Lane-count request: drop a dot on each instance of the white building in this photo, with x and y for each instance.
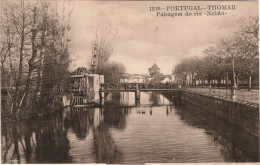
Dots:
(166, 79)
(133, 79)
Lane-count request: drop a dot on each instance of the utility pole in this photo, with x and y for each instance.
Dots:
(234, 86)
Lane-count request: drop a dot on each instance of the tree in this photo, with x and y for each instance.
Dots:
(188, 70)
(35, 32)
(17, 16)
(55, 67)
(236, 55)
(113, 72)
(214, 57)
(181, 72)
(249, 42)
(103, 44)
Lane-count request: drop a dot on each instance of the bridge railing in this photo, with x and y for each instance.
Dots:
(141, 86)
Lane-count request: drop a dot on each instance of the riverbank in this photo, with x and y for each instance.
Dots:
(40, 110)
(241, 113)
(15, 119)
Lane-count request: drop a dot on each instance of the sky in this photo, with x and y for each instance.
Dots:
(144, 39)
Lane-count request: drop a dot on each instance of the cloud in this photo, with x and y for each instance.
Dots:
(145, 39)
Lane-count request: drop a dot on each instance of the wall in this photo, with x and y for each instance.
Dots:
(242, 114)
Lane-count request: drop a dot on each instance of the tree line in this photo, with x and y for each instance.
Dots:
(238, 53)
(34, 49)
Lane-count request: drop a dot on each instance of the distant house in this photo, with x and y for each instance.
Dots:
(148, 79)
(166, 79)
(142, 78)
(133, 78)
(138, 79)
(124, 78)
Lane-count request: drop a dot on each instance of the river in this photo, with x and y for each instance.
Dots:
(125, 131)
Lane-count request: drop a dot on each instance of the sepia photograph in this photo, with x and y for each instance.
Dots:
(129, 82)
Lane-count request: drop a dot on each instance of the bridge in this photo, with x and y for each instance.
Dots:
(136, 91)
(80, 101)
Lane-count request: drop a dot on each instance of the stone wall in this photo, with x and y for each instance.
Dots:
(243, 114)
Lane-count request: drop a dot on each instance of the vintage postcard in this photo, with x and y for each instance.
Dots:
(129, 82)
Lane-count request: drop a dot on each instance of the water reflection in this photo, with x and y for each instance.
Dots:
(236, 144)
(154, 99)
(106, 148)
(78, 121)
(36, 141)
(159, 132)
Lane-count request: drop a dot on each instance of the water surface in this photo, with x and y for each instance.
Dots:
(127, 131)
